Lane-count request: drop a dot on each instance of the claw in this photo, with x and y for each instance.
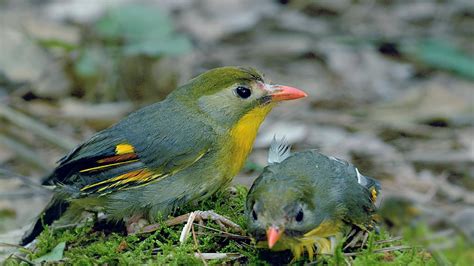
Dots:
(199, 216)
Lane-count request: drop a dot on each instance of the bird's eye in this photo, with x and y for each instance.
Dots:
(299, 216)
(243, 92)
(254, 215)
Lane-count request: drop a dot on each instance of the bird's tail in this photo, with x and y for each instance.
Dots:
(279, 150)
(371, 184)
(374, 188)
(53, 211)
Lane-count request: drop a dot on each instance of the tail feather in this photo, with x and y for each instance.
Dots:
(371, 184)
(53, 211)
(279, 150)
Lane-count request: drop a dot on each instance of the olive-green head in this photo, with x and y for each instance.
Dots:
(281, 202)
(226, 94)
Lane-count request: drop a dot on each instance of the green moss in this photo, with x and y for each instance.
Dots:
(87, 245)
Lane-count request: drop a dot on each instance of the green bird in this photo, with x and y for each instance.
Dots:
(308, 201)
(163, 156)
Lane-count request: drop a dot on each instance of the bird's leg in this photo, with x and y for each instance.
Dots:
(189, 219)
(357, 236)
(199, 216)
(135, 224)
(222, 221)
(201, 224)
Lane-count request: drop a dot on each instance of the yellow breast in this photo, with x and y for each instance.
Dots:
(242, 136)
(321, 240)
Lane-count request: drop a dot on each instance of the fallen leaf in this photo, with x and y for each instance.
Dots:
(54, 255)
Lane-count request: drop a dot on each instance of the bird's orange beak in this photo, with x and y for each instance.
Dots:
(284, 93)
(273, 235)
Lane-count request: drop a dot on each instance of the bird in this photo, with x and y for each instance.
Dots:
(166, 155)
(307, 202)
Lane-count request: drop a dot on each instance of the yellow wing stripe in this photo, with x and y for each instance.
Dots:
(373, 194)
(106, 166)
(139, 176)
(124, 148)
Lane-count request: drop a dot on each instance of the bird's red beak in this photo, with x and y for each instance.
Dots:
(273, 235)
(284, 93)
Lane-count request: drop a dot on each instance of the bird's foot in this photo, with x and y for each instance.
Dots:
(200, 216)
(189, 219)
(135, 224)
(357, 238)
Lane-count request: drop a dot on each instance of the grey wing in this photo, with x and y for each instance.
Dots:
(135, 152)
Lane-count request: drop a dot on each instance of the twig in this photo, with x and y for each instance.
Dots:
(207, 215)
(29, 262)
(387, 249)
(364, 240)
(393, 239)
(224, 234)
(394, 248)
(211, 215)
(3, 244)
(65, 226)
(353, 242)
(219, 256)
(196, 244)
(34, 126)
(173, 221)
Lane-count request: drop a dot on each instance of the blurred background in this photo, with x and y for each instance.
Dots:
(390, 84)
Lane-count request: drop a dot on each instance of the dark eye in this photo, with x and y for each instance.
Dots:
(254, 215)
(243, 92)
(299, 216)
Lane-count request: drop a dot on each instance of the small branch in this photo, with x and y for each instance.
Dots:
(29, 262)
(225, 234)
(219, 256)
(196, 245)
(200, 215)
(3, 244)
(173, 221)
(393, 239)
(65, 226)
(382, 250)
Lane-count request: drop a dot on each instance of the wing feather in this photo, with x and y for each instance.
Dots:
(129, 154)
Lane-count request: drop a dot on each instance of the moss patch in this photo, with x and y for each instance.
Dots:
(86, 245)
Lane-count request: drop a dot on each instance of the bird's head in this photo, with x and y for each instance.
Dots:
(281, 203)
(227, 94)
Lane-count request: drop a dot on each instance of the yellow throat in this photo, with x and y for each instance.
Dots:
(242, 136)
